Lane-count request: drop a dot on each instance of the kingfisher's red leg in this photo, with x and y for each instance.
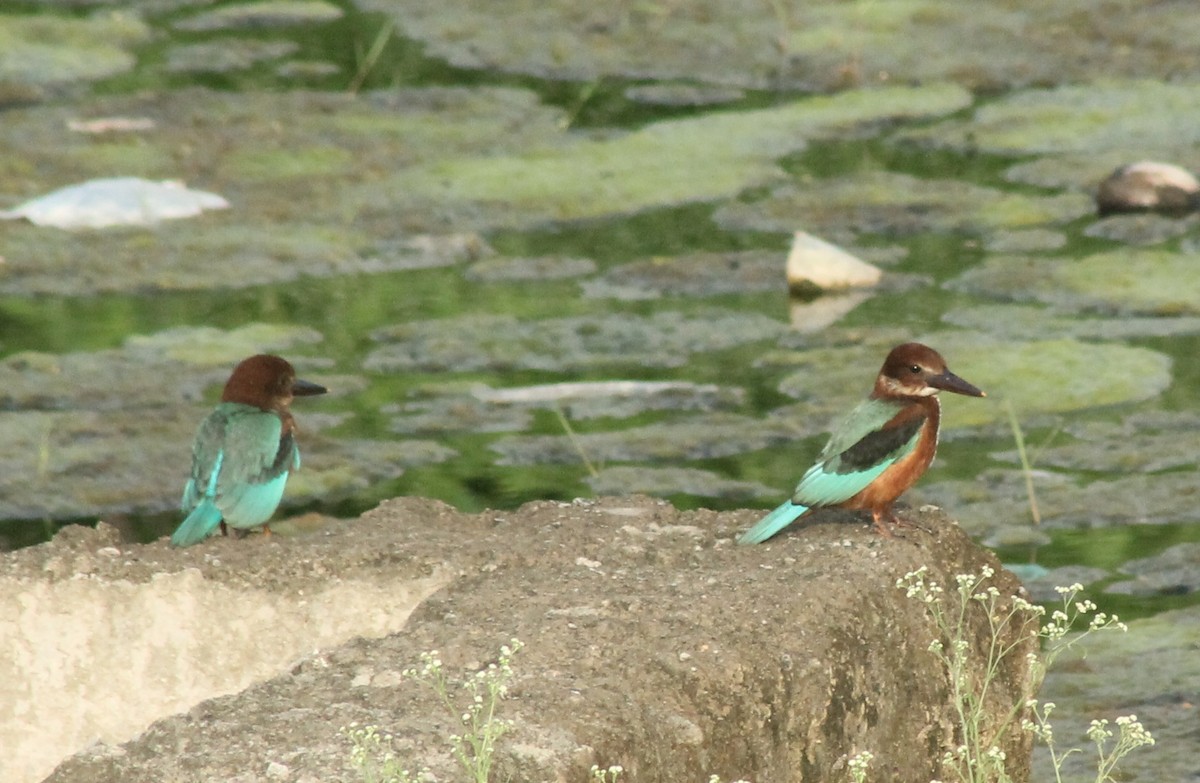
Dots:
(881, 527)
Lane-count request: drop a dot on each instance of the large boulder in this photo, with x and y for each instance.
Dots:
(651, 641)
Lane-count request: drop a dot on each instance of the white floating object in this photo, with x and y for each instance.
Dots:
(120, 201)
(815, 264)
(111, 125)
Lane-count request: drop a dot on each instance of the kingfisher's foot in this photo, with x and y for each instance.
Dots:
(882, 527)
(267, 531)
(896, 521)
(886, 520)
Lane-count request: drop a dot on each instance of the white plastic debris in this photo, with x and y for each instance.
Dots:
(814, 263)
(119, 201)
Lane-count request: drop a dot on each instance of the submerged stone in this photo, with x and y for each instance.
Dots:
(476, 342)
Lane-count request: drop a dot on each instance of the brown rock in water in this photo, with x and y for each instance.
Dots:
(1148, 186)
(651, 641)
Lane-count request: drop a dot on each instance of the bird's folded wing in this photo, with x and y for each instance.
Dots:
(874, 436)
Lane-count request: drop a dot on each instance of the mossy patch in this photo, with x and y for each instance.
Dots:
(476, 342)
(670, 162)
(263, 13)
(894, 203)
(821, 45)
(1142, 117)
(1128, 282)
(47, 49)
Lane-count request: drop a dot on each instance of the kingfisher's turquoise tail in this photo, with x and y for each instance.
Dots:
(198, 526)
(772, 523)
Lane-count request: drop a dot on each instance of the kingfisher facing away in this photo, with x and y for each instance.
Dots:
(880, 449)
(243, 451)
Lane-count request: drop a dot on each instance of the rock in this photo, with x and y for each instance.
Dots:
(645, 631)
(1148, 186)
(814, 264)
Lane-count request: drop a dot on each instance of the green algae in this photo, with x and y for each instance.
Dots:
(225, 55)
(256, 164)
(667, 163)
(821, 45)
(209, 346)
(1029, 322)
(1142, 118)
(46, 50)
(693, 274)
(895, 203)
(1127, 282)
(475, 342)
(262, 13)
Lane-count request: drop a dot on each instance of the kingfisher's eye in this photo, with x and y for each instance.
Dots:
(915, 369)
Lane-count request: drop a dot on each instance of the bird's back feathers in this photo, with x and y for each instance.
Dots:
(240, 463)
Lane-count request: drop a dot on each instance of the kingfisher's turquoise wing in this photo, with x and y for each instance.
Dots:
(240, 465)
(254, 469)
(862, 447)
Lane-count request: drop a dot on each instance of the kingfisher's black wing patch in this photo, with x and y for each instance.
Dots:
(877, 446)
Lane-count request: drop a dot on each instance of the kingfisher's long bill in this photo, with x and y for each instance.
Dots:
(244, 451)
(880, 448)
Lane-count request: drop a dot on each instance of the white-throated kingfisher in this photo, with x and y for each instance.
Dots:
(244, 451)
(880, 449)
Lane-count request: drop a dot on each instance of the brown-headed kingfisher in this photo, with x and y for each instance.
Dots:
(880, 449)
(244, 451)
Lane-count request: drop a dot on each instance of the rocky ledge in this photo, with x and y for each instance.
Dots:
(650, 641)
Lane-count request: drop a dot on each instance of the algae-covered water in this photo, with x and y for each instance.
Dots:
(447, 221)
(536, 250)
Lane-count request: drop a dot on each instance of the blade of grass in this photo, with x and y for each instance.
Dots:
(566, 425)
(368, 61)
